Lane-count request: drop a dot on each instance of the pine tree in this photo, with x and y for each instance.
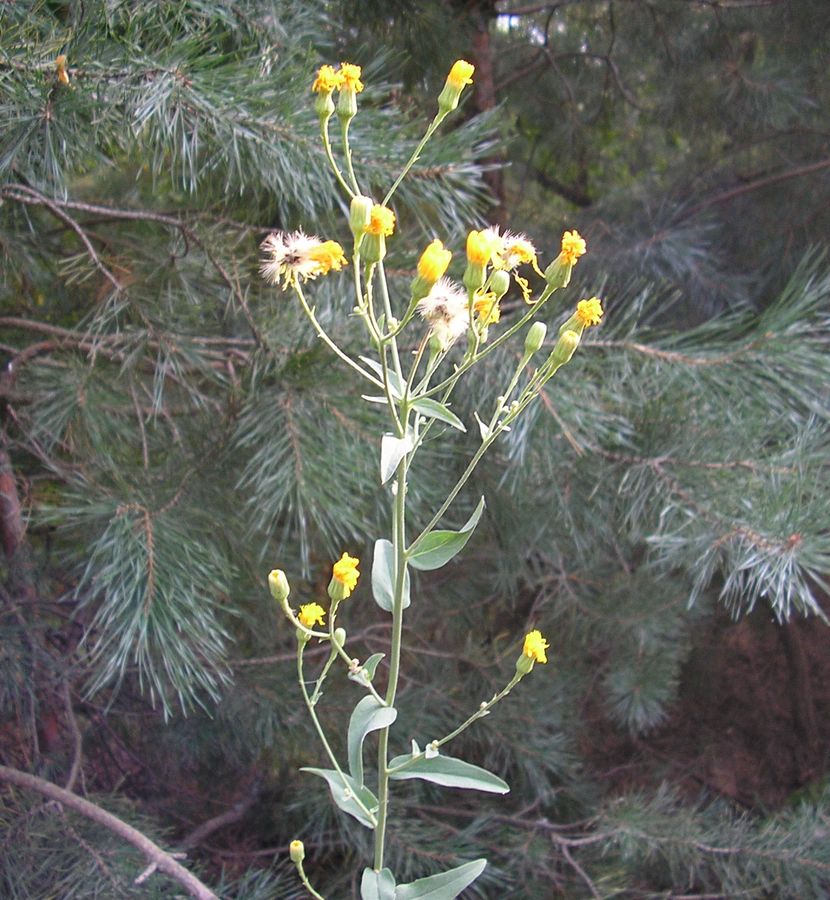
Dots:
(172, 429)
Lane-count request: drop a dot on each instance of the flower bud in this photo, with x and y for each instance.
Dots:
(296, 851)
(461, 74)
(278, 584)
(60, 69)
(565, 348)
(499, 283)
(535, 337)
(373, 247)
(360, 214)
(524, 664)
(339, 636)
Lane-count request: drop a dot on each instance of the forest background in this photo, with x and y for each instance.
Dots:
(171, 430)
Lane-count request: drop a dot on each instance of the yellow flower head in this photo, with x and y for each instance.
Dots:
(481, 246)
(327, 80)
(433, 262)
(461, 73)
(350, 78)
(329, 255)
(296, 257)
(60, 68)
(573, 246)
(381, 221)
(589, 312)
(535, 646)
(311, 614)
(345, 572)
(486, 307)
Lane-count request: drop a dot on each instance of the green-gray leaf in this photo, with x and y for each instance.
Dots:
(371, 664)
(444, 885)
(377, 885)
(432, 409)
(383, 576)
(392, 451)
(369, 715)
(437, 548)
(395, 385)
(346, 801)
(449, 772)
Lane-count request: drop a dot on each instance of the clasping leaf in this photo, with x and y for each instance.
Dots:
(435, 549)
(449, 772)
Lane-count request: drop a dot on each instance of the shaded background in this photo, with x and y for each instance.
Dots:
(171, 431)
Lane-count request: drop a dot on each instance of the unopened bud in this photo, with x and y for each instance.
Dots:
(339, 636)
(360, 214)
(535, 337)
(278, 584)
(558, 273)
(499, 283)
(296, 851)
(565, 348)
(524, 664)
(373, 248)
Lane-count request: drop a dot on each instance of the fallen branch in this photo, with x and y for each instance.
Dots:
(163, 861)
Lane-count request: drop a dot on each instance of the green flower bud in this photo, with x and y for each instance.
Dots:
(346, 105)
(524, 664)
(360, 214)
(296, 851)
(474, 276)
(339, 636)
(278, 584)
(565, 348)
(373, 248)
(499, 283)
(535, 337)
(558, 273)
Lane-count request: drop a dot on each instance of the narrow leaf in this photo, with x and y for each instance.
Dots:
(344, 795)
(437, 548)
(369, 715)
(377, 885)
(383, 576)
(432, 409)
(392, 451)
(444, 885)
(449, 772)
(395, 385)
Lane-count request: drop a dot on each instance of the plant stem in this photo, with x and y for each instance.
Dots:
(307, 883)
(414, 158)
(399, 545)
(324, 133)
(321, 333)
(347, 152)
(321, 734)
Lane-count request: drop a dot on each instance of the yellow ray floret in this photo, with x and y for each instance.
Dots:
(461, 73)
(535, 646)
(327, 80)
(434, 261)
(573, 246)
(311, 614)
(350, 75)
(329, 255)
(381, 221)
(481, 246)
(589, 312)
(487, 308)
(345, 572)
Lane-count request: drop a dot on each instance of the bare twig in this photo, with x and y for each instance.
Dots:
(151, 850)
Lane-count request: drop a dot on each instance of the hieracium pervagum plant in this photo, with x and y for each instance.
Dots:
(452, 328)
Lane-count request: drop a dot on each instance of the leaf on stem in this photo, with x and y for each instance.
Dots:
(449, 772)
(437, 548)
(344, 795)
(396, 388)
(377, 885)
(432, 409)
(444, 885)
(392, 451)
(383, 577)
(369, 715)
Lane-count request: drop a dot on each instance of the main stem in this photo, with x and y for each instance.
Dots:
(399, 545)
